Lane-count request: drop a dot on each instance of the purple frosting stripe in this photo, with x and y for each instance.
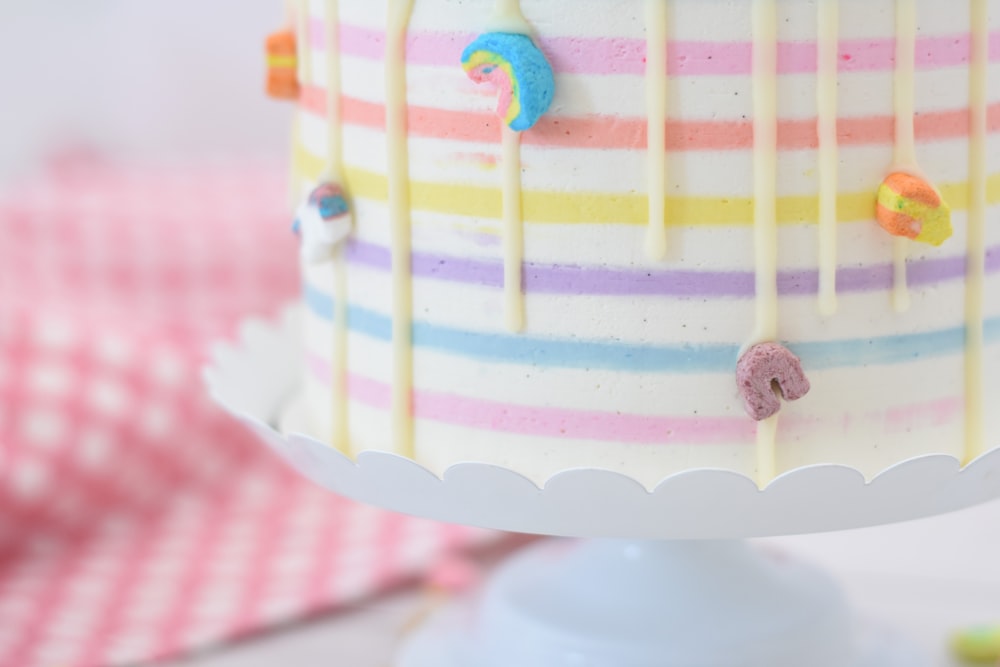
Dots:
(597, 280)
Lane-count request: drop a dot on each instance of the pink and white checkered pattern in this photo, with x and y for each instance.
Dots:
(137, 521)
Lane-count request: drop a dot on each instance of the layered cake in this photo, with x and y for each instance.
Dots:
(648, 235)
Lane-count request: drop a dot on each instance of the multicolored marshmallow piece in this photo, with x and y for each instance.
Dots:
(763, 368)
(323, 221)
(911, 207)
(518, 69)
(980, 644)
(282, 65)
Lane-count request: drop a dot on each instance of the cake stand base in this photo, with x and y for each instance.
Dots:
(611, 603)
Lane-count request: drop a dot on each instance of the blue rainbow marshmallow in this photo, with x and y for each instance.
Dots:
(518, 69)
(323, 221)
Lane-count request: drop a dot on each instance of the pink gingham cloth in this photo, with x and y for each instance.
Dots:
(137, 521)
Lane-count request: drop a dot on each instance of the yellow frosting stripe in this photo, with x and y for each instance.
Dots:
(611, 208)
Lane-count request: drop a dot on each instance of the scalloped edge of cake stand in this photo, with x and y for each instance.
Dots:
(256, 379)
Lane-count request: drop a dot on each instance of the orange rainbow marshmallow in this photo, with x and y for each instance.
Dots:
(910, 206)
(282, 65)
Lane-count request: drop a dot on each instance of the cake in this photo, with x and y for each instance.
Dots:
(774, 245)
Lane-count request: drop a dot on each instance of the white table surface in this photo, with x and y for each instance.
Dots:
(926, 577)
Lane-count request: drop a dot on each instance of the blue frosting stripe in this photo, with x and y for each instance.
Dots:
(528, 350)
(713, 358)
(535, 83)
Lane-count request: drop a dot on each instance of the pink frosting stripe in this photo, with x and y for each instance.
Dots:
(928, 415)
(562, 423)
(589, 55)
(549, 422)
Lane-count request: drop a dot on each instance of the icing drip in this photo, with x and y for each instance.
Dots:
(507, 17)
(656, 115)
(976, 250)
(905, 155)
(334, 172)
(904, 86)
(339, 362)
(398, 174)
(765, 173)
(765, 168)
(767, 437)
(298, 172)
(513, 234)
(334, 87)
(302, 39)
(826, 101)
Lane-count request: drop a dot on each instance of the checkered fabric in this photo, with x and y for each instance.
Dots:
(137, 521)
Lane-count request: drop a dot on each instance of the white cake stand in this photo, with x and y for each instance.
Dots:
(664, 578)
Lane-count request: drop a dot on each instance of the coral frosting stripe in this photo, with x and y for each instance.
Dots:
(630, 133)
(610, 56)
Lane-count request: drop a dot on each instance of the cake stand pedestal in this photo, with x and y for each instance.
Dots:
(616, 603)
(664, 578)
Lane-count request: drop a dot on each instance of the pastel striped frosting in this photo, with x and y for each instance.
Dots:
(625, 362)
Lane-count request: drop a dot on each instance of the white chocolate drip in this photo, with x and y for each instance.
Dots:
(826, 101)
(765, 169)
(975, 439)
(905, 153)
(765, 175)
(334, 172)
(507, 17)
(295, 187)
(334, 86)
(398, 174)
(767, 438)
(304, 48)
(656, 118)
(513, 234)
(904, 87)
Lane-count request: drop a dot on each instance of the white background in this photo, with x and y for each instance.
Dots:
(148, 79)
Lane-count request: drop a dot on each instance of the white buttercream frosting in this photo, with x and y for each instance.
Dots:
(627, 362)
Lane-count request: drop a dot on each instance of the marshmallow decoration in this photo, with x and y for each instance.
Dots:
(282, 65)
(761, 368)
(520, 71)
(978, 644)
(322, 222)
(910, 207)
